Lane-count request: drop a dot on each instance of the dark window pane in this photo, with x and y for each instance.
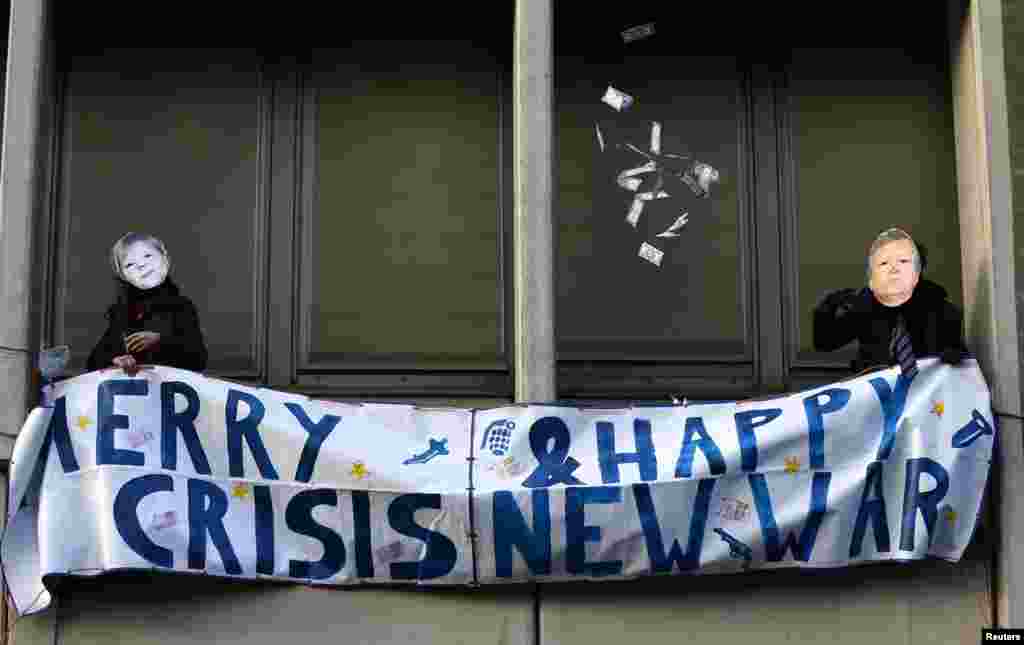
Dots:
(613, 303)
(163, 141)
(405, 232)
(874, 148)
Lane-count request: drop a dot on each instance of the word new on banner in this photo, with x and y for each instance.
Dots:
(171, 470)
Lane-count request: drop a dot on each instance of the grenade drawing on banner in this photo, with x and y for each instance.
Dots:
(497, 437)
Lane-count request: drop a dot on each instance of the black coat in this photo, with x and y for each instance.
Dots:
(935, 325)
(163, 310)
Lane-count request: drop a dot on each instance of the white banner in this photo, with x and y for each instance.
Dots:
(171, 470)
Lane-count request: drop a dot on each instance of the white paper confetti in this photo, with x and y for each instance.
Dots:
(616, 99)
(638, 32)
(699, 178)
(648, 167)
(631, 184)
(633, 216)
(671, 230)
(652, 195)
(600, 139)
(655, 138)
(651, 254)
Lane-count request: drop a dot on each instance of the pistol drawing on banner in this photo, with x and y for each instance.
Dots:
(435, 448)
(737, 549)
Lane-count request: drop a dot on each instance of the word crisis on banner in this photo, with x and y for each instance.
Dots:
(171, 470)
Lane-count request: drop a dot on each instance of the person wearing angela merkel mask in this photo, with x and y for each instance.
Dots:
(150, 322)
(898, 317)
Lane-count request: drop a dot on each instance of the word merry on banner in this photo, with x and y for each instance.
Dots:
(176, 471)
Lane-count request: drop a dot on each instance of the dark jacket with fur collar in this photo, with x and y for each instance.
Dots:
(161, 309)
(935, 324)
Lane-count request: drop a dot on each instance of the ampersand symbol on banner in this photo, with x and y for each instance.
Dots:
(555, 466)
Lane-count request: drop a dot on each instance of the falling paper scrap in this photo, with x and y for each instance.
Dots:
(633, 216)
(600, 139)
(619, 101)
(651, 254)
(699, 178)
(638, 32)
(630, 183)
(650, 166)
(671, 230)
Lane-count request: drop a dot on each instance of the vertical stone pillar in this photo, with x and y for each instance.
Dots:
(533, 236)
(19, 207)
(986, 237)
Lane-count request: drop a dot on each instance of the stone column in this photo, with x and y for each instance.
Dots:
(986, 237)
(19, 208)
(533, 236)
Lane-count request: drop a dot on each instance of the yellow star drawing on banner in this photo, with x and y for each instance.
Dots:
(950, 515)
(938, 408)
(240, 491)
(792, 464)
(359, 470)
(83, 422)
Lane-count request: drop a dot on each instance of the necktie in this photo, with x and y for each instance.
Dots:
(901, 349)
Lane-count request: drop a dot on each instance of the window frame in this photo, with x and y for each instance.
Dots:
(760, 368)
(365, 375)
(54, 229)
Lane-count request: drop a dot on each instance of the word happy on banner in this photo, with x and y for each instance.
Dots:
(172, 470)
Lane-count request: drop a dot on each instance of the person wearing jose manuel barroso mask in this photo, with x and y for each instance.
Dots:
(150, 322)
(898, 317)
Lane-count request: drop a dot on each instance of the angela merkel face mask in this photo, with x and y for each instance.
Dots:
(143, 265)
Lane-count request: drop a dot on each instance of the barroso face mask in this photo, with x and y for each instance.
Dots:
(143, 265)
